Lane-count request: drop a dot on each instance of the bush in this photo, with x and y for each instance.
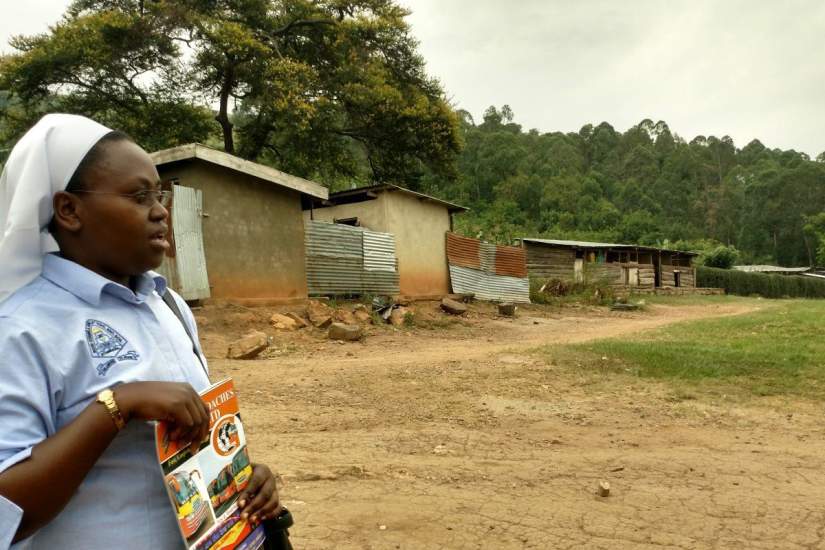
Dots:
(722, 257)
(557, 291)
(760, 284)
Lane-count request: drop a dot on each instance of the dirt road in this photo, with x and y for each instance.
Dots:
(463, 438)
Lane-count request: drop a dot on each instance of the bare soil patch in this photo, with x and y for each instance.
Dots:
(460, 437)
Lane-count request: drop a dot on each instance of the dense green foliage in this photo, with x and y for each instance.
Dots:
(760, 284)
(778, 351)
(332, 90)
(723, 257)
(646, 185)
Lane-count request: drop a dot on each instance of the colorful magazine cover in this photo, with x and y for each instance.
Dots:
(204, 487)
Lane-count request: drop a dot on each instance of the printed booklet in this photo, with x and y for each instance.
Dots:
(204, 487)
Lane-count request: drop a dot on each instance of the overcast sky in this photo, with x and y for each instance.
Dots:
(749, 69)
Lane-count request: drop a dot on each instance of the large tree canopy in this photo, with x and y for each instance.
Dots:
(332, 89)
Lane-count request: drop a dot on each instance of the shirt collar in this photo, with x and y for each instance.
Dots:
(89, 286)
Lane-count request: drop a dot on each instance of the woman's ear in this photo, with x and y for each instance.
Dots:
(68, 210)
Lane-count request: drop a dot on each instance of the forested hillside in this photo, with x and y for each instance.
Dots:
(646, 185)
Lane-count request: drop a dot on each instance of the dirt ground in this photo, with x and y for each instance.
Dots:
(464, 437)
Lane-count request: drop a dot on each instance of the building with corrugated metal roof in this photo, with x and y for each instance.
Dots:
(418, 222)
(619, 265)
(773, 269)
(237, 227)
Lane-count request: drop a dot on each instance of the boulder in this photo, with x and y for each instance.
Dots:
(362, 314)
(397, 316)
(283, 322)
(248, 347)
(347, 333)
(344, 316)
(452, 307)
(320, 315)
(298, 320)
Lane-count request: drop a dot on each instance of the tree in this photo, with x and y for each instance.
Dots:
(722, 257)
(815, 230)
(100, 64)
(315, 87)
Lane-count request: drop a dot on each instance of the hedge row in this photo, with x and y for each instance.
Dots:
(767, 286)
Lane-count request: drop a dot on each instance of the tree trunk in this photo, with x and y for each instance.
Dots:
(223, 112)
(808, 249)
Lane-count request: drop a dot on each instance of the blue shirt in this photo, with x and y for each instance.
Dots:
(63, 338)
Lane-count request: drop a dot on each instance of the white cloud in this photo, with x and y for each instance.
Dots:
(746, 69)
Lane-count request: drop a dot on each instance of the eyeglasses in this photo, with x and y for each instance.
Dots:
(144, 197)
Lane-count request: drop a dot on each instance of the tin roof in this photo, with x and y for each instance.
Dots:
(770, 269)
(587, 244)
(366, 193)
(266, 173)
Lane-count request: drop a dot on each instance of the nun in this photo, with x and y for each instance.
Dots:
(89, 352)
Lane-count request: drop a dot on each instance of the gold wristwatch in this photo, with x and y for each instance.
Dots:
(107, 399)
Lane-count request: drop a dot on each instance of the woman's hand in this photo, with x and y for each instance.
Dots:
(259, 500)
(173, 402)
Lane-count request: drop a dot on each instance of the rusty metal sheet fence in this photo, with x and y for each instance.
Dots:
(491, 272)
(345, 260)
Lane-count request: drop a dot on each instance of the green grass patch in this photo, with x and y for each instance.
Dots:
(777, 351)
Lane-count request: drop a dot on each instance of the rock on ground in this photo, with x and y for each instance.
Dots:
(248, 347)
(320, 315)
(362, 314)
(348, 333)
(452, 307)
(344, 316)
(283, 322)
(397, 316)
(298, 320)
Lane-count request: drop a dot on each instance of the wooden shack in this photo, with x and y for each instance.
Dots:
(619, 265)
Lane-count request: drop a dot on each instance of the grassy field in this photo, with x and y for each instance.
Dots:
(777, 351)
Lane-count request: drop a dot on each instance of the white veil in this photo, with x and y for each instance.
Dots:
(41, 164)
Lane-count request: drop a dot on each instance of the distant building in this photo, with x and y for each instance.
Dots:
(418, 222)
(620, 265)
(237, 225)
(773, 269)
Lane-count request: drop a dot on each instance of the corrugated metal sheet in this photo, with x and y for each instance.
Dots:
(463, 251)
(488, 286)
(191, 259)
(487, 257)
(489, 271)
(345, 260)
(770, 269)
(587, 244)
(511, 261)
(185, 267)
(334, 241)
(379, 251)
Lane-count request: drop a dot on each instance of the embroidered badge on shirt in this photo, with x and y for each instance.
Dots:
(106, 343)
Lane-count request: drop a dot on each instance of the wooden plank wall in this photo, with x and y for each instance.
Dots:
(647, 276)
(613, 273)
(610, 273)
(557, 263)
(550, 263)
(688, 276)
